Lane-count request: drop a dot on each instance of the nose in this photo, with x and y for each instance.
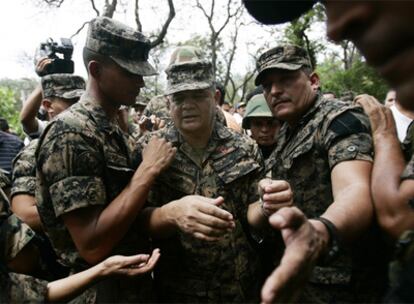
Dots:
(276, 89)
(345, 18)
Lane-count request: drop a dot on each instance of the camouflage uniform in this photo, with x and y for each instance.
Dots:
(191, 270)
(330, 132)
(65, 86)
(83, 160)
(14, 236)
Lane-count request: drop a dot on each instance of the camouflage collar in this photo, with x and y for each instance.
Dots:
(98, 115)
(220, 133)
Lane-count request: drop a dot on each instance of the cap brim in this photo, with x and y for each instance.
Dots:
(142, 68)
(73, 94)
(187, 87)
(246, 119)
(279, 66)
(276, 12)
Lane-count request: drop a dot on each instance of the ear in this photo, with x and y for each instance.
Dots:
(47, 104)
(315, 81)
(94, 68)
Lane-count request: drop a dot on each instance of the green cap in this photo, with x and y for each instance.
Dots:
(256, 107)
(185, 53)
(285, 57)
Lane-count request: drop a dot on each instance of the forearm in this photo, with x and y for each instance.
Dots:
(66, 289)
(389, 198)
(24, 206)
(157, 222)
(351, 212)
(30, 109)
(100, 232)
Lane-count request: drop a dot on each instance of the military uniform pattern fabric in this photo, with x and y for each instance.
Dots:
(62, 85)
(191, 270)
(329, 133)
(24, 171)
(408, 148)
(25, 289)
(83, 160)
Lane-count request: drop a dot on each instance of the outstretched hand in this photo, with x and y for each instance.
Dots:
(303, 247)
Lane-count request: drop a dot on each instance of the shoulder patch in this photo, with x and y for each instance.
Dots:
(347, 123)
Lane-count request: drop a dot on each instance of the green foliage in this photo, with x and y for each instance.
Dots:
(295, 32)
(359, 78)
(9, 109)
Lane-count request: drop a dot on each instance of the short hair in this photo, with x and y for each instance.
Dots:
(89, 55)
(222, 90)
(4, 125)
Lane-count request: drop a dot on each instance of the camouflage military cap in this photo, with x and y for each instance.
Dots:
(286, 57)
(195, 75)
(141, 101)
(185, 53)
(66, 86)
(256, 107)
(126, 46)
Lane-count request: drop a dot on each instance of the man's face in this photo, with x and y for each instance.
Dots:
(289, 94)
(384, 32)
(137, 112)
(225, 107)
(264, 130)
(57, 105)
(119, 86)
(241, 110)
(193, 111)
(390, 98)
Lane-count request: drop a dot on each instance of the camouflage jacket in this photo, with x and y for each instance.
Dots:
(329, 133)
(20, 288)
(24, 171)
(192, 270)
(83, 160)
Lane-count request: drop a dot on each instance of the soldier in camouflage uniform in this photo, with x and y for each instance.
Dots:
(203, 204)
(324, 151)
(89, 191)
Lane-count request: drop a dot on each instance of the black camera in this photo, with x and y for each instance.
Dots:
(50, 49)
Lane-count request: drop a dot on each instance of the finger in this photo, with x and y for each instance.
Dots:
(209, 231)
(215, 222)
(262, 184)
(134, 259)
(207, 238)
(215, 211)
(218, 201)
(287, 217)
(276, 186)
(274, 207)
(276, 197)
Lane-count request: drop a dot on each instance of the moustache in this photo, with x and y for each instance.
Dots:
(276, 101)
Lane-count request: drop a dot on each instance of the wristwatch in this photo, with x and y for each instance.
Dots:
(334, 244)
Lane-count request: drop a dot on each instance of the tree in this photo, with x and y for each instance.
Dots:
(9, 109)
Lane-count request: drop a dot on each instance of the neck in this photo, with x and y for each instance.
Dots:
(403, 111)
(198, 139)
(93, 91)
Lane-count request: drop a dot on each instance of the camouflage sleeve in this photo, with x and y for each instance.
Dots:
(71, 166)
(14, 236)
(24, 171)
(408, 172)
(253, 194)
(348, 137)
(26, 289)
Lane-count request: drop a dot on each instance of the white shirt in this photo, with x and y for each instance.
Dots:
(401, 121)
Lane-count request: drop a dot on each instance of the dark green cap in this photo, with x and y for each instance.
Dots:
(256, 107)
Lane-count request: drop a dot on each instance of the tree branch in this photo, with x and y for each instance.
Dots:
(109, 8)
(80, 29)
(137, 19)
(94, 7)
(161, 35)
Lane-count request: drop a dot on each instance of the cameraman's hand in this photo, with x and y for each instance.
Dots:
(41, 64)
(151, 123)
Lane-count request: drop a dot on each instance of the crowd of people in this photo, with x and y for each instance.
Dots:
(296, 196)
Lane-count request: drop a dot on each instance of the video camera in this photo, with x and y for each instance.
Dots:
(50, 49)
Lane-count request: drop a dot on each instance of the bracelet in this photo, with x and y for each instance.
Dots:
(334, 245)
